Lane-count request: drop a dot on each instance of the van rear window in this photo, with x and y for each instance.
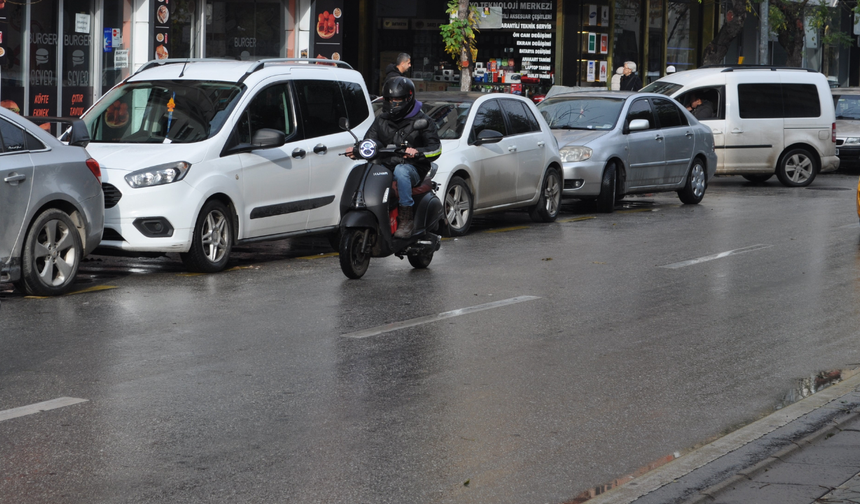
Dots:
(766, 101)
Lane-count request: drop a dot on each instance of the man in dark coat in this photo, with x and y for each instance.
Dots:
(399, 68)
(630, 81)
(701, 109)
(395, 127)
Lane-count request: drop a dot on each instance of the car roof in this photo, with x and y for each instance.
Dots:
(685, 77)
(623, 95)
(460, 96)
(235, 71)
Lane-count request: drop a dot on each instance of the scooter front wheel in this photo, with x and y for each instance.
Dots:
(354, 262)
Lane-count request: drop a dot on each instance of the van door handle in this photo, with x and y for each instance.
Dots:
(717, 131)
(689, 134)
(541, 144)
(512, 148)
(299, 153)
(320, 149)
(659, 138)
(14, 178)
(737, 130)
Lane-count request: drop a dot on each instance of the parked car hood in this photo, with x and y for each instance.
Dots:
(131, 157)
(577, 137)
(847, 128)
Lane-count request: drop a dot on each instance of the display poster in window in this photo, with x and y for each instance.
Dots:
(604, 15)
(592, 42)
(604, 66)
(161, 29)
(591, 70)
(43, 72)
(77, 71)
(604, 43)
(2, 44)
(328, 18)
(592, 15)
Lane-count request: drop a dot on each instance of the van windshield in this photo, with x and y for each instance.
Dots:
(162, 111)
(662, 87)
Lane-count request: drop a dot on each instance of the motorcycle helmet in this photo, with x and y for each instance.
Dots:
(398, 88)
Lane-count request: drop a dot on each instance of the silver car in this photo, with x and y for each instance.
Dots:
(617, 143)
(52, 205)
(847, 104)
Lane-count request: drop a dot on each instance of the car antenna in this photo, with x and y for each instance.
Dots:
(183, 68)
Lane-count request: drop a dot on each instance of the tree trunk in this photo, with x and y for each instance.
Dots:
(465, 54)
(734, 25)
(792, 38)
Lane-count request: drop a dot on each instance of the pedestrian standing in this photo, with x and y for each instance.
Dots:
(399, 68)
(630, 81)
(615, 85)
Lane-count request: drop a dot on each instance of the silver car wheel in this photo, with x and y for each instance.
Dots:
(215, 236)
(697, 180)
(458, 207)
(552, 194)
(55, 253)
(799, 168)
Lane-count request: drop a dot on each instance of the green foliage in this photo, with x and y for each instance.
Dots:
(459, 33)
(822, 18)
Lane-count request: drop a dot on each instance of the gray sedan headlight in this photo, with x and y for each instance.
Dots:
(852, 141)
(574, 154)
(158, 175)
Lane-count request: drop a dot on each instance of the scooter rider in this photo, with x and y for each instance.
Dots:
(394, 126)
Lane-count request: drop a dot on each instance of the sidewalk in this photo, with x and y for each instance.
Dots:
(808, 452)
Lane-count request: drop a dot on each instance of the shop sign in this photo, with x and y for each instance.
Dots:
(82, 23)
(161, 30)
(329, 18)
(428, 24)
(395, 24)
(533, 23)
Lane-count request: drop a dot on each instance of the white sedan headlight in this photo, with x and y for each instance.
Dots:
(852, 141)
(574, 154)
(158, 175)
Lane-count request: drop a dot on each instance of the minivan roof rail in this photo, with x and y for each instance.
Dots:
(175, 61)
(732, 68)
(259, 65)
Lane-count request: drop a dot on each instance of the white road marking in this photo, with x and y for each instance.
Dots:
(32, 409)
(434, 318)
(721, 255)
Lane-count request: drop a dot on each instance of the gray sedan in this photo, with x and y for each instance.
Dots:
(52, 205)
(617, 143)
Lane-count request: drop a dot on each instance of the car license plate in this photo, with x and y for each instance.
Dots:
(837, 152)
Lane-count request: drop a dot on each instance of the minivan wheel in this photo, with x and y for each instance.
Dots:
(212, 240)
(796, 168)
(608, 188)
(458, 207)
(694, 189)
(51, 256)
(758, 178)
(549, 202)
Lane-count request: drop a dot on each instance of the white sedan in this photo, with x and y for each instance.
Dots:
(497, 154)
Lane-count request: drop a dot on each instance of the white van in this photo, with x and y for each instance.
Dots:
(200, 155)
(765, 120)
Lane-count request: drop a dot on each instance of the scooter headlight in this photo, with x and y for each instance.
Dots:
(367, 149)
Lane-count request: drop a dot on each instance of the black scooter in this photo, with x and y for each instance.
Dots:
(369, 210)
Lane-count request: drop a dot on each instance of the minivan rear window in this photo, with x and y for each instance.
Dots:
(766, 101)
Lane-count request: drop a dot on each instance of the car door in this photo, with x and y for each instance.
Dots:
(678, 139)
(646, 159)
(530, 145)
(495, 164)
(754, 114)
(16, 170)
(275, 181)
(322, 103)
(717, 96)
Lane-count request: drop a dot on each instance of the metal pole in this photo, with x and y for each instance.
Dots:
(765, 33)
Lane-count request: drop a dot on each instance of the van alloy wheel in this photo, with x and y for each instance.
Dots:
(797, 168)
(212, 240)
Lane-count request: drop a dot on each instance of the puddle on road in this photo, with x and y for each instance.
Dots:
(803, 388)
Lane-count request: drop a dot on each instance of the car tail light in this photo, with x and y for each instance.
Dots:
(833, 133)
(93, 165)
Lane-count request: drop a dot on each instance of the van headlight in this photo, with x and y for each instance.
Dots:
(852, 141)
(158, 175)
(574, 154)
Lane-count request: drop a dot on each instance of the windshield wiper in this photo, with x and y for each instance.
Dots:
(567, 127)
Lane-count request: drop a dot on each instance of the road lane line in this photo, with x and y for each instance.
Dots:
(506, 229)
(578, 219)
(32, 409)
(691, 262)
(373, 331)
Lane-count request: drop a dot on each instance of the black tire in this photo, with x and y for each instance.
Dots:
(353, 262)
(549, 202)
(212, 240)
(334, 240)
(422, 260)
(458, 203)
(797, 168)
(758, 178)
(52, 254)
(697, 183)
(608, 189)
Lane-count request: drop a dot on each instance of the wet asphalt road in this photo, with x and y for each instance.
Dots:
(246, 386)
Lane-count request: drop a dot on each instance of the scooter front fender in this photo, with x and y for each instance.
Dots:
(359, 219)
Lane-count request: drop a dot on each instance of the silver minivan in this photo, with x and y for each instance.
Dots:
(765, 120)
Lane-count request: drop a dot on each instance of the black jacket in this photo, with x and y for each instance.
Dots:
(392, 71)
(426, 141)
(704, 111)
(631, 82)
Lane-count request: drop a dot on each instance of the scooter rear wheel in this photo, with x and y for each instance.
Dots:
(353, 262)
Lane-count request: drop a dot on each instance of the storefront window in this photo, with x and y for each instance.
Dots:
(11, 47)
(173, 29)
(655, 68)
(245, 30)
(680, 51)
(627, 30)
(77, 70)
(44, 42)
(116, 44)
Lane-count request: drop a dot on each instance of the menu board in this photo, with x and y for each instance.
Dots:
(533, 24)
(161, 31)
(44, 42)
(328, 29)
(77, 82)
